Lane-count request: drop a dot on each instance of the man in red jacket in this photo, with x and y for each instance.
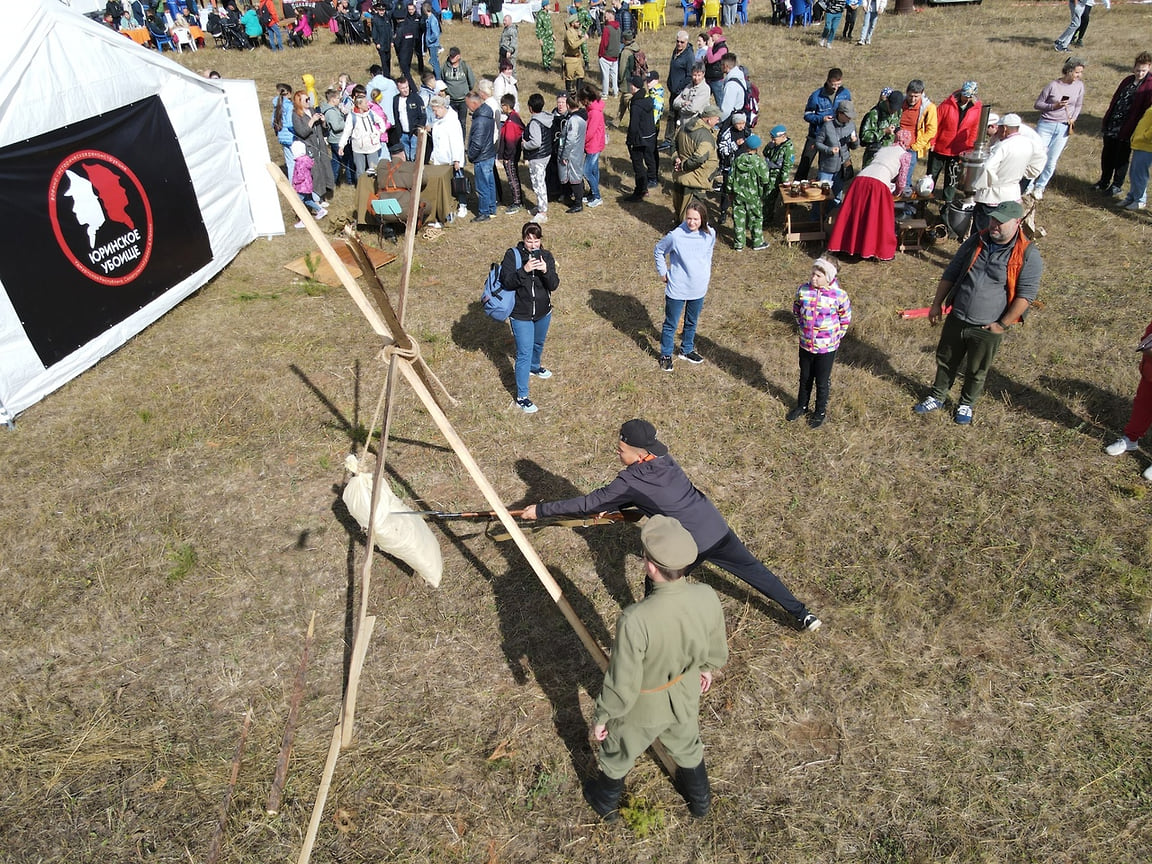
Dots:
(611, 41)
(958, 119)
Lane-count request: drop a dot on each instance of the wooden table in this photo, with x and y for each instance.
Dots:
(799, 223)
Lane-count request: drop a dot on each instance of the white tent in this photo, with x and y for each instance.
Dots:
(126, 183)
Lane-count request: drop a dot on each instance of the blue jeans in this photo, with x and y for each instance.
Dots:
(1138, 176)
(275, 38)
(592, 174)
(529, 336)
(408, 142)
(911, 166)
(1055, 138)
(831, 25)
(434, 58)
(869, 25)
(485, 172)
(672, 311)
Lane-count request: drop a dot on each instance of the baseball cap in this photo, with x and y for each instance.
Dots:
(1006, 210)
(642, 435)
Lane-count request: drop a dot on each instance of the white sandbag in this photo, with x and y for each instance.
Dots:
(407, 537)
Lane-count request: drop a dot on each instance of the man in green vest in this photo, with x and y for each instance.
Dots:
(667, 647)
(990, 282)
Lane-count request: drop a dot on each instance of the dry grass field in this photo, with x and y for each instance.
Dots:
(979, 692)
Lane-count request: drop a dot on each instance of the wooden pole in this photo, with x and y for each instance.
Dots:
(358, 653)
(281, 777)
(218, 836)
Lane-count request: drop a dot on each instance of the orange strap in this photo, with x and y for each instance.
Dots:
(665, 686)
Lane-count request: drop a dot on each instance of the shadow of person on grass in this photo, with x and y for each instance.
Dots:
(627, 314)
(475, 331)
(609, 545)
(742, 368)
(1038, 403)
(858, 354)
(535, 637)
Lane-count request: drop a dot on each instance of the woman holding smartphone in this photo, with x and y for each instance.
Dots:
(530, 271)
(1059, 105)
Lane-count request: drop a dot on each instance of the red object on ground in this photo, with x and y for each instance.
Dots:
(922, 312)
(866, 223)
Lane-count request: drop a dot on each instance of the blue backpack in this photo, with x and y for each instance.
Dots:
(496, 302)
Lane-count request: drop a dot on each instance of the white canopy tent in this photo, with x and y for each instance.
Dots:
(126, 183)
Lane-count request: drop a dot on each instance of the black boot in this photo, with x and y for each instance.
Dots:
(603, 795)
(693, 783)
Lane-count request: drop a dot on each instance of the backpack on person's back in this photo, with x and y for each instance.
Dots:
(497, 302)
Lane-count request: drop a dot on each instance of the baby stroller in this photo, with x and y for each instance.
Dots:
(234, 35)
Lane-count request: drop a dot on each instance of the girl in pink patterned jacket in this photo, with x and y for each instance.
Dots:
(822, 314)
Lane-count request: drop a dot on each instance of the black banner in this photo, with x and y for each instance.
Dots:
(97, 220)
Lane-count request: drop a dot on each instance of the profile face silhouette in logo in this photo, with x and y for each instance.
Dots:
(85, 205)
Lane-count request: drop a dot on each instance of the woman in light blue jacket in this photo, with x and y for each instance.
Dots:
(684, 262)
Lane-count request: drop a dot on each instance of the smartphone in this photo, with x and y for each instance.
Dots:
(536, 254)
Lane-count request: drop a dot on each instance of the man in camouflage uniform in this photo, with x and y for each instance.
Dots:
(747, 182)
(545, 37)
(586, 25)
(779, 157)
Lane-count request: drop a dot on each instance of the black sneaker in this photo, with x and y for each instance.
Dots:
(541, 373)
(691, 356)
(665, 362)
(811, 623)
(526, 405)
(816, 420)
(575, 208)
(796, 413)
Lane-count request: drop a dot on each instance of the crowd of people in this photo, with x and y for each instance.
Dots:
(719, 168)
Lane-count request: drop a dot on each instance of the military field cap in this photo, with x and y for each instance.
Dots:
(642, 435)
(710, 111)
(667, 543)
(1007, 210)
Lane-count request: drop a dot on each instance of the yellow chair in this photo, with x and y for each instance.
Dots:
(650, 15)
(712, 12)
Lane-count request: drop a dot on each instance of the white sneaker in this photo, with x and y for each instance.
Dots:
(462, 211)
(1038, 193)
(540, 218)
(435, 225)
(823, 43)
(1135, 205)
(321, 213)
(300, 224)
(1119, 448)
(1147, 475)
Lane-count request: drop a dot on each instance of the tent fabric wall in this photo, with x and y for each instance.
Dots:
(59, 68)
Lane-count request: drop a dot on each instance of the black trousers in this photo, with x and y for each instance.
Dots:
(644, 165)
(815, 368)
(732, 555)
(1114, 159)
(804, 164)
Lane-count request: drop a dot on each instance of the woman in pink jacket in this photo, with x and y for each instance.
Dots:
(595, 139)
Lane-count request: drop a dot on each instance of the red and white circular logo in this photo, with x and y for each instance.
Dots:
(101, 217)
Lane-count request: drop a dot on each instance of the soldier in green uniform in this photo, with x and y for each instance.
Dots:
(780, 156)
(748, 183)
(586, 25)
(667, 647)
(545, 37)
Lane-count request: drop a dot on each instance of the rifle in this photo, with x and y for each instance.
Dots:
(629, 514)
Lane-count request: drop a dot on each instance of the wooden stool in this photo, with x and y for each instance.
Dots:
(910, 234)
